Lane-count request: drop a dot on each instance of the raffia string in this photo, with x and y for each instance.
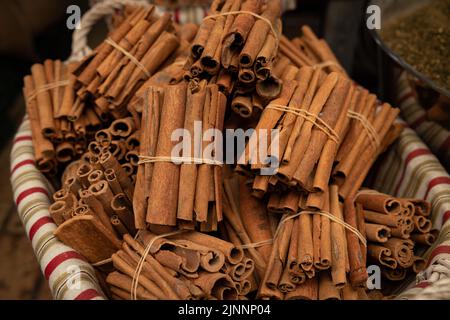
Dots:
(329, 216)
(46, 87)
(256, 244)
(102, 262)
(140, 265)
(116, 46)
(369, 129)
(180, 160)
(272, 29)
(308, 116)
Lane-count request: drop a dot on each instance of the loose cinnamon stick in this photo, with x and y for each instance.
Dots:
(338, 241)
(163, 192)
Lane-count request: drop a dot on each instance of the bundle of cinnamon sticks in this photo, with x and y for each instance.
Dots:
(236, 46)
(130, 55)
(93, 210)
(395, 228)
(59, 132)
(183, 192)
(188, 265)
(328, 131)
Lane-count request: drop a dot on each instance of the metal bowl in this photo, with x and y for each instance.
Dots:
(391, 10)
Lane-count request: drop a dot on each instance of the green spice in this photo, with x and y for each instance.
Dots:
(422, 39)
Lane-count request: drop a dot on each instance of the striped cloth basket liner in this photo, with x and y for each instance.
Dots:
(69, 275)
(433, 134)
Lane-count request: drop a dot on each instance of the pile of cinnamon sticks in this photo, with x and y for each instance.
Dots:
(236, 46)
(328, 130)
(59, 132)
(303, 231)
(185, 192)
(93, 210)
(131, 54)
(395, 229)
(189, 265)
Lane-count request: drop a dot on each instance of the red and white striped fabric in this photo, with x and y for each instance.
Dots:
(433, 134)
(70, 277)
(411, 170)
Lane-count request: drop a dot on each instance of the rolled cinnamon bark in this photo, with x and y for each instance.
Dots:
(204, 30)
(377, 233)
(164, 46)
(292, 274)
(258, 35)
(419, 264)
(421, 207)
(401, 232)
(123, 282)
(178, 285)
(270, 117)
(327, 289)
(301, 144)
(216, 285)
(373, 200)
(329, 114)
(188, 172)
(255, 219)
(108, 161)
(242, 105)
(394, 274)
(401, 251)
(353, 183)
(43, 149)
(422, 224)
(350, 293)
(305, 291)
(327, 158)
(67, 196)
(122, 207)
(96, 206)
(242, 270)
(58, 211)
(118, 225)
(210, 58)
(95, 176)
(83, 172)
(242, 24)
(358, 274)
(423, 238)
(43, 100)
(103, 193)
(305, 242)
(339, 250)
(382, 255)
(111, 178)
(382, 218)
(163, 191)
(127, 269)
(122, 127)
(149, 132)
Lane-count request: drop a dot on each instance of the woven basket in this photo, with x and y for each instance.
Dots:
(408, 169)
